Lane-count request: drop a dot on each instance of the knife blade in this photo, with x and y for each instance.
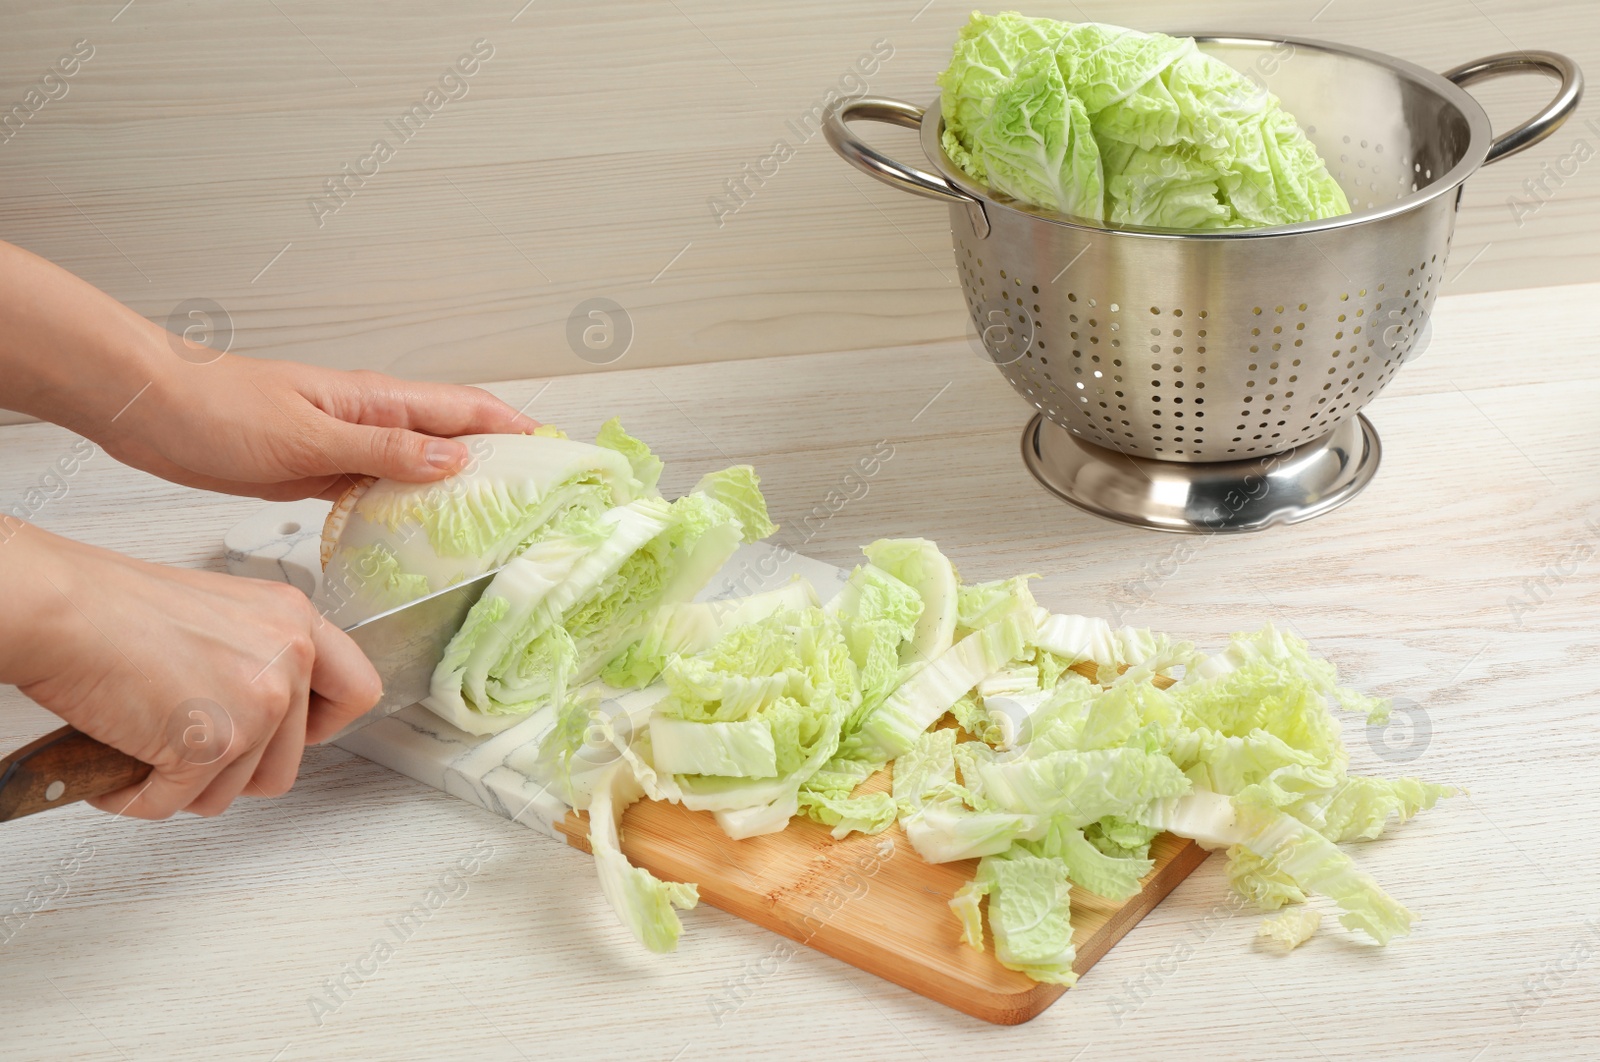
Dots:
(404, 645)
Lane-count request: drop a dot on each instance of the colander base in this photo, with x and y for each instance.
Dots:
(1204, 497)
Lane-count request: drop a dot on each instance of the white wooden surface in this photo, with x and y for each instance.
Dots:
(206, 938)
(583, 161)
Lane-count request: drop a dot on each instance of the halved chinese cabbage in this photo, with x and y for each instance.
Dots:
(560, 611)
(1114, 125)
(387, 542)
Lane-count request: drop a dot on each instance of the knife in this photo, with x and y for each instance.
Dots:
(404, 645)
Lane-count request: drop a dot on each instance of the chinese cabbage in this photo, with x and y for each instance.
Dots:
(1113, 125)
(386, 535)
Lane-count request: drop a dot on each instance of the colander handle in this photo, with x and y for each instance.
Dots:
(1546, 121)
(877, 165)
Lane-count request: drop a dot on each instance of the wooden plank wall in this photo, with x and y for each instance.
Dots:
(578, 151)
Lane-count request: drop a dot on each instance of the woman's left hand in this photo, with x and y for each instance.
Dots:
(282, 430)
(267, 429)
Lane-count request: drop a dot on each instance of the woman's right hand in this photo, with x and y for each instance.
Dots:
(217, 682)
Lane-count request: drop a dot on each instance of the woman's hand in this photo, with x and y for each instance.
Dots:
(282, 430)
(268, 429)
(217, 682)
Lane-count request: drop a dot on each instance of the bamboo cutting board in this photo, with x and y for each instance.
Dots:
(872, 902)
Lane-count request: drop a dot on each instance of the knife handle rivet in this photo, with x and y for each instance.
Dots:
(53, 791)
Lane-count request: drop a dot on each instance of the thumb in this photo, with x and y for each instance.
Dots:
(395, 453)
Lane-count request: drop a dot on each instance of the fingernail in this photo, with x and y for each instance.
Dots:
(442, 453)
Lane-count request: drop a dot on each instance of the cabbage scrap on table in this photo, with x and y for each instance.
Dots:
(1051, 748)
(1113, 125)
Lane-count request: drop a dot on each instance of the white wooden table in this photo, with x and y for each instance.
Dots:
(203, 939)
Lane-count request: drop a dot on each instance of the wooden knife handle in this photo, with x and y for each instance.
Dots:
(63, 767)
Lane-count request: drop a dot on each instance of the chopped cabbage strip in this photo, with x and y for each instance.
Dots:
(694, 626)
(1030, 915)
(646, 465)
(944, 820)
(1114, 877)
(983, 604)
(919, 564)
(946, 830)
(869, 814)
(826, 798)
(1289, 929)
(1302, 855)
(1076, 639)
(879, 615)
(929, 693)
(643, 902)
(1080, 787)
(739, 488)
(741, 749)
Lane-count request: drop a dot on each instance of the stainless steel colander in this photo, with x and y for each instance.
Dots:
(1174, 369)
